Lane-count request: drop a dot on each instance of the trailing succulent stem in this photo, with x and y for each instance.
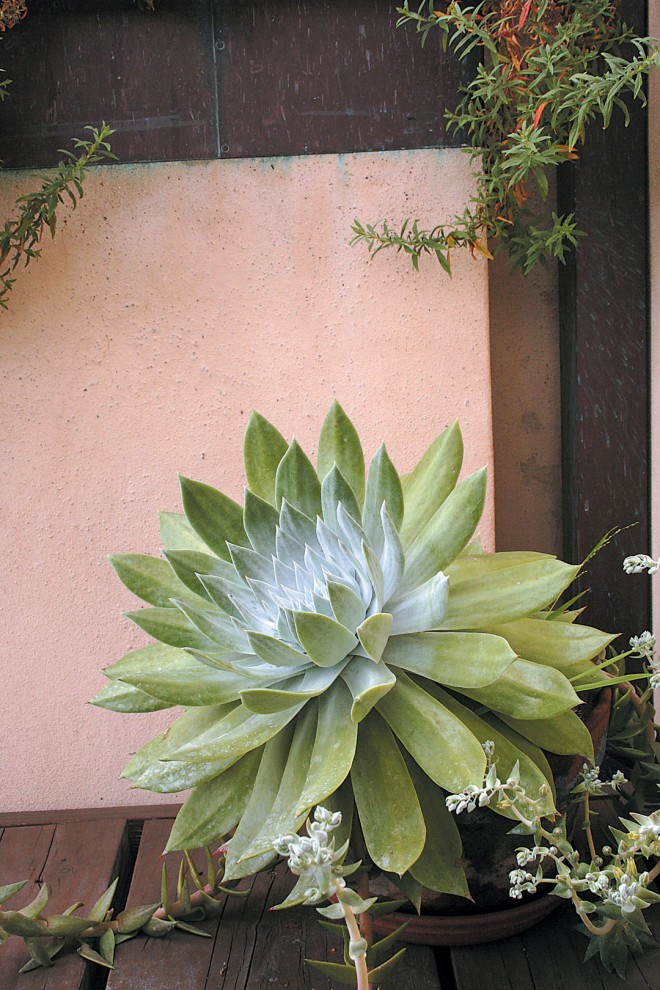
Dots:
(548, 69)
(609, 889)
(20, 238)
(337, 614)
(98, 932)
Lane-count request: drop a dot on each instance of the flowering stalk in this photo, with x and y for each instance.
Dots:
(620, 892)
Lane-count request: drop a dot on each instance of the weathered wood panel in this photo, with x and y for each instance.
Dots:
(206, 79)
(605, 364)
(150, 77)
(315, 76)
(77, 861)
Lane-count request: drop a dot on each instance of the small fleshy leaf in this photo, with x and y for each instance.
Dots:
(431, 481)
(263, 449)
(374, 633)
(368, 683)
(214, 516)
(298, 482)
(383, 486)
(325, 641)
(340, 444)
(422, 609)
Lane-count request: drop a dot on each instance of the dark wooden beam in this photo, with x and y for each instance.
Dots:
(605, 364)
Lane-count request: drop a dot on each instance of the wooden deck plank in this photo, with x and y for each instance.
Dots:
(136, 812)
(77, 861)
(250, 948)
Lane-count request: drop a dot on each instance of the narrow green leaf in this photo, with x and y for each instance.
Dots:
(104, 903)
(273, 651)
(503, 595)
(556, 644)
(153, 658)
(171, 627)
(526, 690)
(564, 734)
(120, 697)
(383, 486)
(194, 686)
(132, 919)
(438, 867)
(390, 815)
(336, 972)
(348, 607)
(283, 819)
(286, 694)
(10, 889)
(214, 808)
(334, 748)
(214, 516)
(187, 564)
(150, 578)
(177, 533)
(259, 806)
(107, 946)
(336, 491)
(436, 738)
(430, 482)
(456, 659)
(340, 444)
(260, 519)
(236, 734)
(298, 482)
(447, 532)
(263, 449)
(387, 969)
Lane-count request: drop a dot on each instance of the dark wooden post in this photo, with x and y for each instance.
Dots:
(605, 364)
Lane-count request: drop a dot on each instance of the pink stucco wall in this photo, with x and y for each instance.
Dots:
(175, 299)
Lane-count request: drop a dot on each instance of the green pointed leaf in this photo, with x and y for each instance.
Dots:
(194, 686)
(564, 734)
(273, 651)
(456, 659)
(214, 516)
(377, 952)
(63, 925)
(236, 734)
(120, 697)
(374, 633)
(506, 752)
(390, 815)
(348, 607)
(340, 444)
(104, 903)
(148, 659)
(368, 683)
(430, 482)
(285, 694)
(435, 737)
(387, 969)
(18, 924)
(383, 485)
(149, 769)
(438, 867)
(422, 608)
(39, 954)
(336, 491)
(298, 482)
(260, 519)
(187, 564)
(282, 819)
(447, 532)
(170, 626)
(334, 748)
(215, 626)
(10, 889)
(503, 595)
(336, 972)
(150, 578)
(263, 449)
(36, 906)
(259, 806)
(107, 946)
(556, 644)
(176, 533)
(132, 919)
(214, 808)
(473, 562)
(325, 641)
(526, 690)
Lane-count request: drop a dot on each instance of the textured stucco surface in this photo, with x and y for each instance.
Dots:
(175, 299)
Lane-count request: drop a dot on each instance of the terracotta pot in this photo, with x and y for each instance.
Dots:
(488, 856)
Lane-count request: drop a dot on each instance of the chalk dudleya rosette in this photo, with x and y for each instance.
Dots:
(340, 639)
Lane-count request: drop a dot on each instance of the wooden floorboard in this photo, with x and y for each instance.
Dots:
(77, 861)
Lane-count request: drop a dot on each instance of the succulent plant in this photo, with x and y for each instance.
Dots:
(341, 640)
